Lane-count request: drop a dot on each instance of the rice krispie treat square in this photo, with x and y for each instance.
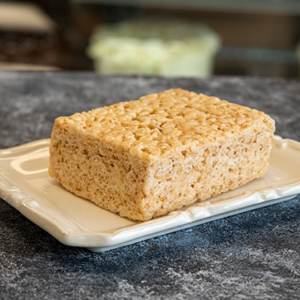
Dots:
(145, 158)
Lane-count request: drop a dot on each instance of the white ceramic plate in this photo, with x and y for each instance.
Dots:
(25, 184)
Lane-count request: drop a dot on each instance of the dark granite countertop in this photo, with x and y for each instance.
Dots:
(253, 255)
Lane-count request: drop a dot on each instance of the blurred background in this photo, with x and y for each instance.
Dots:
(153, 37)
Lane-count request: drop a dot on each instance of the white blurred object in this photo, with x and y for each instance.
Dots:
(154, 47)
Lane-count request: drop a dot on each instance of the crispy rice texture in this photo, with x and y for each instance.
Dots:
(145, 158)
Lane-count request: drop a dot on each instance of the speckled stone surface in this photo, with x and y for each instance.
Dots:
(254, 255)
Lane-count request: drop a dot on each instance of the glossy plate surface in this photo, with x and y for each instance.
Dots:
(26, 185)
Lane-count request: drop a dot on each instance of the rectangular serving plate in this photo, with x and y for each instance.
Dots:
(26, 185)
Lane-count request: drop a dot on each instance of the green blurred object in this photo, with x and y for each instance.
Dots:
(166, 47)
